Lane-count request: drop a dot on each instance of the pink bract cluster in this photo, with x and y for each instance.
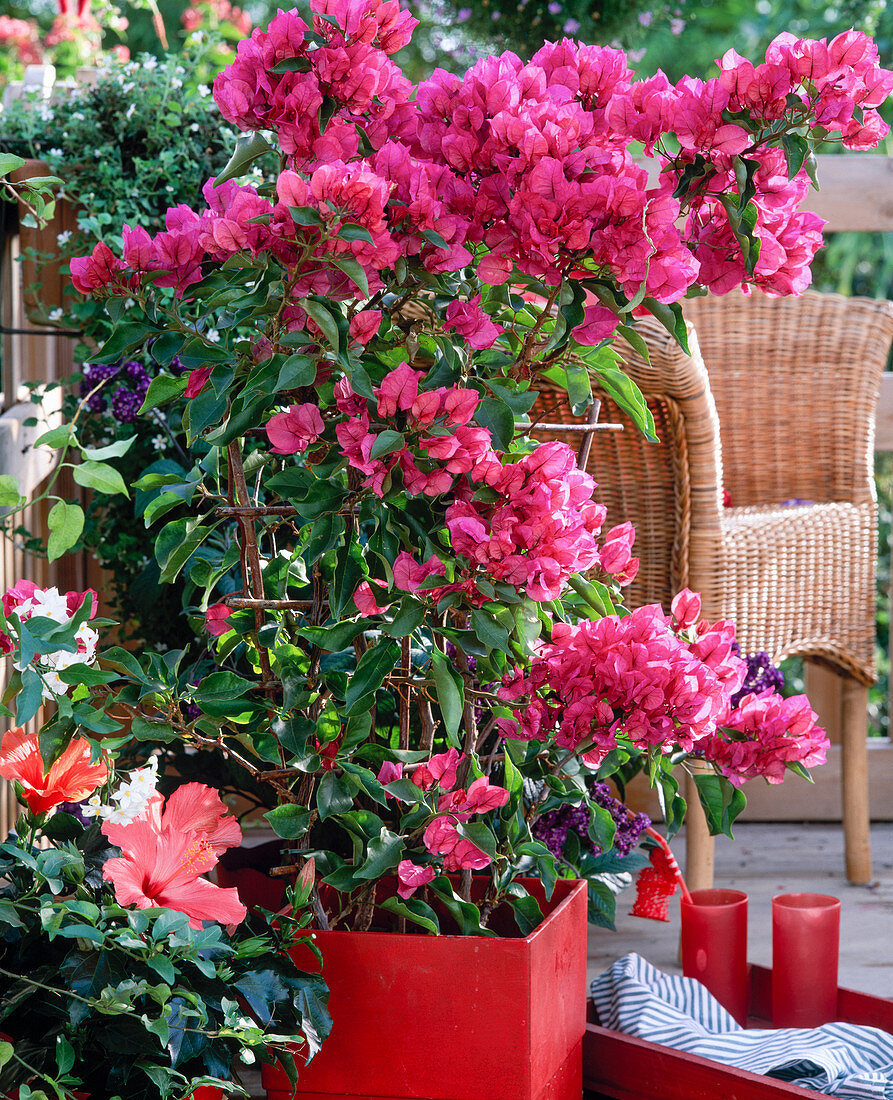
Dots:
(519, 167)
(763, 735)
(441, 445)
(662, 681)
(536, 527)
(454, 806)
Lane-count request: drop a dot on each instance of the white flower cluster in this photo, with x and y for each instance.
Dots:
(51, 604)
(129, 800)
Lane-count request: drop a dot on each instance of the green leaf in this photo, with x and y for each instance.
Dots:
(350, 231)
(528, 915)
(9, 915)
(29, 698)
(113, 450)
(494, 415)
(415, 910)
(289, 821)
(480, 835)
(126, 337)
(324, 317)
(353, 269)
(386, 442)
(374, 666)
(247, 151)
(332, 638)
(383, 855)
(176, 543)
(9, 162)
(10, 497)
(162, 390)
(333, 797)
(409, 617)
(101, 477)
(306, 215)
(624, 391)
(579, 387)
(671, 317)
(450, 695)
(297, 371)
(55, 437)
(492, 633)
(722, 802)
(292, 65)
(65, 522)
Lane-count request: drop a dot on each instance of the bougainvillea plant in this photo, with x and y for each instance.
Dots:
(415, 614)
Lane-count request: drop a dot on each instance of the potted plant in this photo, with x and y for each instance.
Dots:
(419, 646)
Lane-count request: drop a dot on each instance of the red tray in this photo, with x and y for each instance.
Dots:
(619, 1067)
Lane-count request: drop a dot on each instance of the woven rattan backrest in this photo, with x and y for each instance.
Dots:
(795, 382)
(666, 489)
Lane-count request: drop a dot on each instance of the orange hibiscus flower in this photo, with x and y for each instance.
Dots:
(71, 778)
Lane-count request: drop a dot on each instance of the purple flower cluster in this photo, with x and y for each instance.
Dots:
(553, 827)
(761, 674)
(126, 398)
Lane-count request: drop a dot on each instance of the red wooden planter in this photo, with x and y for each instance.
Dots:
(620, 1067)
(453, 1017)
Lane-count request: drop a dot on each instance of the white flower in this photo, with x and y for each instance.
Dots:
(55, 315)
(150, 63)
(176, 82)
(93, 806)
(129, 303)
(132, 799)
(62, 239)
(203, 90)
(212, 336)
(129, 112)
(195, 127)
(48, 602)
(54, 152)
(160, 442)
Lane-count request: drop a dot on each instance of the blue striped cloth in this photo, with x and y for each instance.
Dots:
(843, 1060)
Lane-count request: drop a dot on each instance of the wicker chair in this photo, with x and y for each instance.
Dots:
(793, 383)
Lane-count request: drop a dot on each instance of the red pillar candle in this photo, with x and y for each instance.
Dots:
(714, 946)
(805, 947)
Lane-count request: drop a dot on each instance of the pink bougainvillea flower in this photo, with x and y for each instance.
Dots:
(165, 852)
(364, 325)
(365, 599)
(98, 271)
(389, 772)
(440, 769)
(198, 379)
(216, 619)
(598, 324)
(410, 877)
(295, 430)
(70, 778)
(472, 323)
(686, 608)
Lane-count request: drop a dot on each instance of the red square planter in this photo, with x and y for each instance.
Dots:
(454, 1017)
